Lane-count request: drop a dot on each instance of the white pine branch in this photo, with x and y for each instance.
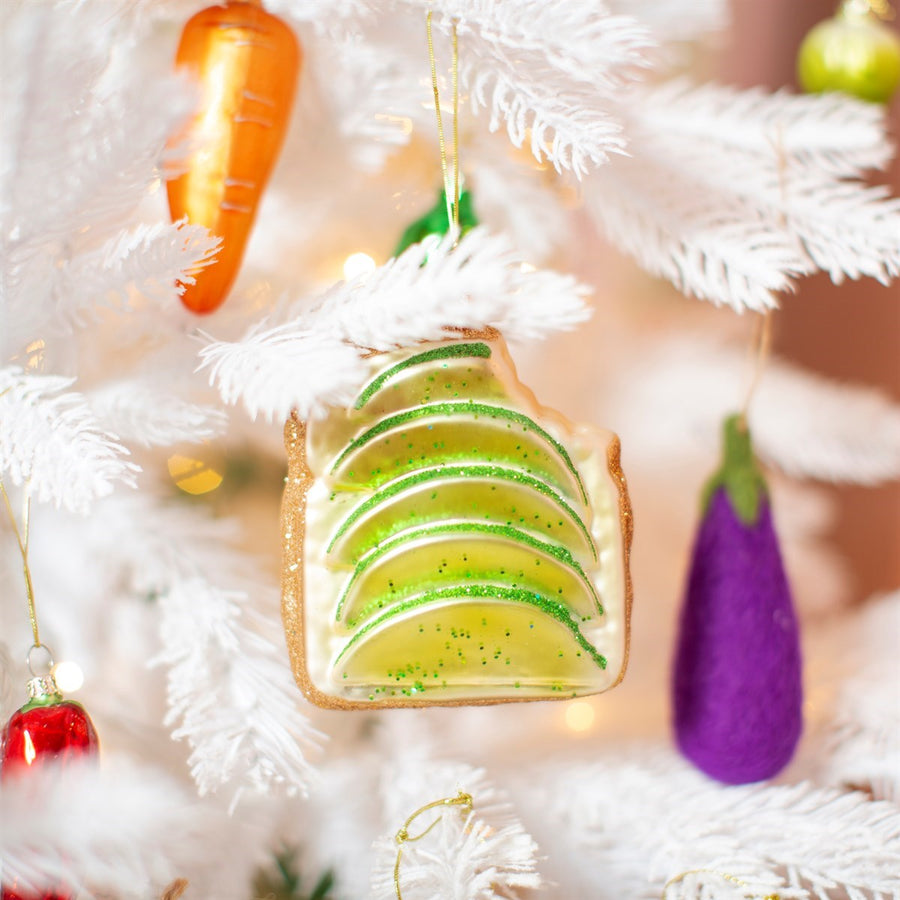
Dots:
(117, 830)
(710, 246)
(140, 413)
(847, 230)
(231, 694)
(373, 92)
(309, 362)
(325, 16)
(807, 841)
(547, 70)
(60, 176)
(708, 884)
(835, 133)
(676, 20)
(806, 425)
(434, 286)
(150, 260)
(283, 368)
(479, 855)
(838, 224)
(84, 131)
(10, 691)
(52, 440)
(864, 748)
(230, 688)
(517, 200)
(730, 195)
(861, 736)
(814, 427)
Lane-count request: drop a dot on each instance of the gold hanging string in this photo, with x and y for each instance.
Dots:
(455, 126)
(402, 837)
(22, 541)
(451, 185)
(723, 875)
(760, 346)
(761, 342)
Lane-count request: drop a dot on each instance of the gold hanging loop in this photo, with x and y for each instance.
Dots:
(760, 347)
(462, 799)
(22, 541)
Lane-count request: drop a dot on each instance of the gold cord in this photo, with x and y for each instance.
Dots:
(761, 342)
(402, 837)
(760, 346)
(455, 127)
(451, 186)
(723, 875)
(22, 541)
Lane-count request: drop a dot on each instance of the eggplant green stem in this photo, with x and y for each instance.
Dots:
(739, 473)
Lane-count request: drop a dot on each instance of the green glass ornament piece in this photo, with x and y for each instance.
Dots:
(435, 221)
(447, 540)
(854, 53)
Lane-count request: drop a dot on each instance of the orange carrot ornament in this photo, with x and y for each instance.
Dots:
(246, 61)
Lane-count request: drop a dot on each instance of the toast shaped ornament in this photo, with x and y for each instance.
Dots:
(448, 541)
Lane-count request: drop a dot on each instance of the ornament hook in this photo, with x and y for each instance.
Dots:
(402, 837)
(29, 660)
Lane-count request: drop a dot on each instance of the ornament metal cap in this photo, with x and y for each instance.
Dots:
(42, 687)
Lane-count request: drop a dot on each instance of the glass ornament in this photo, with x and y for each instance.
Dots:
(246, 62)
(437, 221)
(447, 540)
(853, 52)
(47, 729)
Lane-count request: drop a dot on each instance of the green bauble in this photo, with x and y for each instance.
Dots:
(435, 221)
(857, 55)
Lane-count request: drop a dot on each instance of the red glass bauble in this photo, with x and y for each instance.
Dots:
(48, 729)
(58, 732)
(52, 895)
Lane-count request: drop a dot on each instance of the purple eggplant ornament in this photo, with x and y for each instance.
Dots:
(737, 674)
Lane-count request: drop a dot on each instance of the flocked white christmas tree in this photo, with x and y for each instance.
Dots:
(171, 608)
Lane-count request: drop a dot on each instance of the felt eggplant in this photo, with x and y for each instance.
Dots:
(737, 673)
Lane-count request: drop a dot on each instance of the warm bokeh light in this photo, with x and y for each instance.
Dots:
(68, 676)
(579, 715)
(357, 264)
(35, 359)
(193, 476)
(405, 124)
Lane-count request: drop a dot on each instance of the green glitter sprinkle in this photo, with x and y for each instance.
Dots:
(467, 407)
(452, 351)
(393, 488)
(553, 608)
(504, 531)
